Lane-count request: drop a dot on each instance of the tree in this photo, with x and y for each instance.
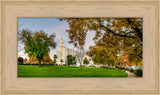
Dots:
(77, 34)
(71, 60)
(20, 60)
(55, 59)
(61, 60)
(47, 59)
(37, 44)
(25, 60)
(117, 34)
(100, 55)
(80, 55)
(32, 60)
(120, 27)
(85, 61)
(135, 55)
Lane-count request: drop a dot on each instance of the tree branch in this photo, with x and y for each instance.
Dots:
(138, 31)
(115, 33)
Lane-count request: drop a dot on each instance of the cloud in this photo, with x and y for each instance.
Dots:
(59, 30)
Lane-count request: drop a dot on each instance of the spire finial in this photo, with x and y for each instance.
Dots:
(61, 42)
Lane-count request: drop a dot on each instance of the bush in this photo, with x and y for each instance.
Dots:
(82, 65)
(131, 70)
(126, 68)
(121, 68)
(104, 66)
(118, 66)
(20, 60)
(138, 72)
(20, 63)
(34, 64)
(92, 66)
(113, 64)
(85, 61)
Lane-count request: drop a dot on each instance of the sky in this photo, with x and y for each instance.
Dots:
(51, 26)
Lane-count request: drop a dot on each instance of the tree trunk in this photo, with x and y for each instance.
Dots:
(40, 65)
(80, 66)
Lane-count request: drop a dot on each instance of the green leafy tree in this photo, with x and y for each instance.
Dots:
(37, 44)
(61, 60)
(71, 60)
(55, 59)
(85, 61)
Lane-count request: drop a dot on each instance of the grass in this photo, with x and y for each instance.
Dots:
(67, 71)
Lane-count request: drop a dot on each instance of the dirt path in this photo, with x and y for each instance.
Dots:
(130, 74)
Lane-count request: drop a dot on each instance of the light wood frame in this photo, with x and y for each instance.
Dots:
(12, 9)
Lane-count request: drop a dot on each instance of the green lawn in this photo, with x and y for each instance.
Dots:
(67, 71)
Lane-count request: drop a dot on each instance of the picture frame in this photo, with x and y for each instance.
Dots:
(12, 9)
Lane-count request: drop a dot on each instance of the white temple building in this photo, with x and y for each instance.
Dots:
(62, 53)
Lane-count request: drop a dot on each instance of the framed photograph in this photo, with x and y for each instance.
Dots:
(80, 47)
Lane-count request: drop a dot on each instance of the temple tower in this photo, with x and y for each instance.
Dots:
(61, 53)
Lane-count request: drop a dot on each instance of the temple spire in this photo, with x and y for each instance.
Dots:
(61, 42)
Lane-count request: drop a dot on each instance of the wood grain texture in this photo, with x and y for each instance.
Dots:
(147, 9)
(0, 49)
(81, 0)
